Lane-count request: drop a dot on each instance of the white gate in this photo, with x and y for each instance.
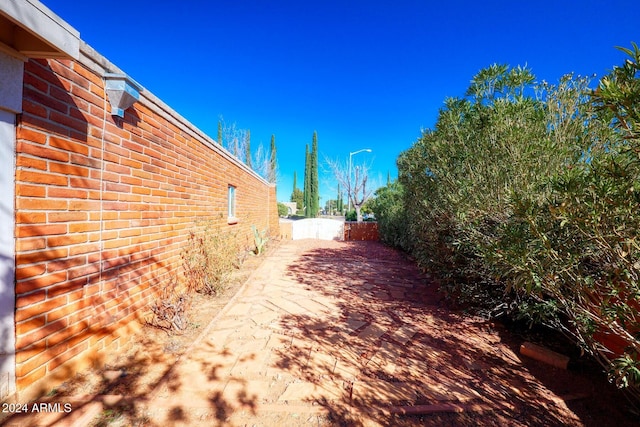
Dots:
(317, 228)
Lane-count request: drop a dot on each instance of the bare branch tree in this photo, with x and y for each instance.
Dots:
(262, 164)
(237, 141)
(356, 184)
(234, 139)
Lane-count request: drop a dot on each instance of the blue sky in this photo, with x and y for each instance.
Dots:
(363, 74)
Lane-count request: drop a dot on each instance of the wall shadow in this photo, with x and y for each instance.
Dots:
(48, 104)
(117, 284)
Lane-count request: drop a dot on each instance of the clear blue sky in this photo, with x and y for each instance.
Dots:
(362, 73)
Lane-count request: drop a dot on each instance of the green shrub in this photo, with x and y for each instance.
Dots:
(525, 200)
(283, 210)
(389, 211)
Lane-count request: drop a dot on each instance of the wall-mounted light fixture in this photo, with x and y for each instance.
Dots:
(122, 90)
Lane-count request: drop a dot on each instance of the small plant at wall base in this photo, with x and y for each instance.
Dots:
(260, 240)
(208, 259)
(170, 309)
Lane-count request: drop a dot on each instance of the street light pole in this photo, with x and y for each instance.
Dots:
(368, 150)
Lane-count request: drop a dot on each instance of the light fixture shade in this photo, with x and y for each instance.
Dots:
(123, 92)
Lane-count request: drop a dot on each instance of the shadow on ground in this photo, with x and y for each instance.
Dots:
(404, 358)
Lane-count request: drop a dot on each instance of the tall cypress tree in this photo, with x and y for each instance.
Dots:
(219, 132)
(307, 175)
(339, 200)
(314, 187)
(272, 161)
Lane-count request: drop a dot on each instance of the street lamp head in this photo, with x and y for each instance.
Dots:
(368, 150)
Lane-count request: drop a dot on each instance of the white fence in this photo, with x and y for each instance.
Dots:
(317, 228)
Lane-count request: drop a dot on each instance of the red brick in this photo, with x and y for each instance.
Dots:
(65, 263)
(30, 271)
(29, 325)
(39, 98)
(23, 381)
(67, 193)
(24, 190)
(26, 300)
(24, 203)
(87, 74)
(68, 169)
(40, 230)
(67, 356)
(23, 217)
(86, 95)
(64, 334)
(40, 282)
(68, 216)
(42, 151)
(40, 178)
(67, 145)
(31, 163)
(32, 337)
(66, 119)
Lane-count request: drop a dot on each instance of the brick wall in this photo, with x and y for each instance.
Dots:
(361, 231)
(103, 208)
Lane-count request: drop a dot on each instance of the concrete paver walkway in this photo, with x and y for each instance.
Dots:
(321, 331)
(331, 333)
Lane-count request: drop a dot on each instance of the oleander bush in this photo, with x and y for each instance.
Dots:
(525, 198)
(389, 212)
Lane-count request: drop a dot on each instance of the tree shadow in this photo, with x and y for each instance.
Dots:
(405, 358)
(131, 388)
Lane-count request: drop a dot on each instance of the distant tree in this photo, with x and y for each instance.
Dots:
(340, 203)
(283, 210)
(295, 182)
(329, 206)
(247, 148)
(297, 195)
(388, 178)
(233, 139)
(273, 163)
(359, 190)
(307, 182)
(315, 187)
(261, 162)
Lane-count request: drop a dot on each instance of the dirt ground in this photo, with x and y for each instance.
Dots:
(516, 390)
(150, 355)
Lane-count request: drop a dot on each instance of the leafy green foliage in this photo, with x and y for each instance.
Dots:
(389, 211)
(282, 209)
(311, 183)
(314, 187)
(525, 199)
(297, 195)
(307, 182)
